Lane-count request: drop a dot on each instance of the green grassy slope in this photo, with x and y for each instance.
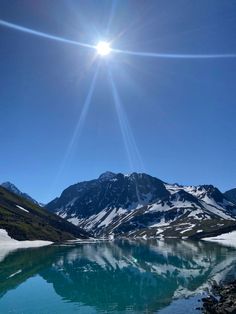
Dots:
(36, 224)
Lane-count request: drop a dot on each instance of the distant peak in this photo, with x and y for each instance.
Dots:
(10, 186)
(107, 175)
(7, 183)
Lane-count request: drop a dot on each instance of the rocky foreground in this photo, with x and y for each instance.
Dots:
(223, 301)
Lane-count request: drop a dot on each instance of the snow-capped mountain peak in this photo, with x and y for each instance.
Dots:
(141, 205)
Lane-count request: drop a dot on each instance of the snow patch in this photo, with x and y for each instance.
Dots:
(17, 272)
(75, 221)
(189, 227)
(22, 208)
(108, 219)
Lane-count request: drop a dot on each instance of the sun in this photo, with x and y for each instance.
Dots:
(103, 48)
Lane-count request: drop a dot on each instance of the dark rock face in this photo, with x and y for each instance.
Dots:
(109, 191)
(213, 192)
(225, 302)
(107, 176)
(231, 195)
(140, 205)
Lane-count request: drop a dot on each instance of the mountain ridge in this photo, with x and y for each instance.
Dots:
(138, 204)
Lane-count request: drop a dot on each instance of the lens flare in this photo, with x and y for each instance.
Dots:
(103, 48)
(44, 35)
(174, 55)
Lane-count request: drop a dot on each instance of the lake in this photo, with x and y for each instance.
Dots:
(122, 276)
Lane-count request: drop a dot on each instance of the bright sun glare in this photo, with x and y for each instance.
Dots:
(103, 48)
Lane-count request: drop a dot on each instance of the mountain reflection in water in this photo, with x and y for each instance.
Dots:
(116, 277)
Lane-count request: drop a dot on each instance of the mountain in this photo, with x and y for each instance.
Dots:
(12, 188)
(139, 205)
(231, 195)
(24, 220)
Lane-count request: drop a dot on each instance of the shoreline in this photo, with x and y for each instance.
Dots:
(221, 300)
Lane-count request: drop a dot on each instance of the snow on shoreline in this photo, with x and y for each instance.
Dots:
(8, 244)
(228, 239)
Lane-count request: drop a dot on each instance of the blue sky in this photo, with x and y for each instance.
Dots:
(174, 118)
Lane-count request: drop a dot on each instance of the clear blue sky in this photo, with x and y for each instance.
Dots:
(176, 116)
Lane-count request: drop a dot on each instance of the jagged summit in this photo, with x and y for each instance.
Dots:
(107, 175)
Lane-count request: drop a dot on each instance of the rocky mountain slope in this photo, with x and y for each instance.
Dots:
(12, 188)
(24, 220)
(231, 195)
(139, 205)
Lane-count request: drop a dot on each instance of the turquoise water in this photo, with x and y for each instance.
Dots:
(112, 277)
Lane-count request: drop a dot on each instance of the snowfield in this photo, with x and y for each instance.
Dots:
(228, 239)
(5, 240)
(8, 243)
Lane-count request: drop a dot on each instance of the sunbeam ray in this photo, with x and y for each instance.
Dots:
(111, 16)
(132, 151)
(79, 125)
(44, 35)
